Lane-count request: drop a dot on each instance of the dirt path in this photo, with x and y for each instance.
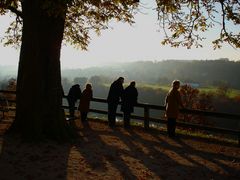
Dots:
(104, 153)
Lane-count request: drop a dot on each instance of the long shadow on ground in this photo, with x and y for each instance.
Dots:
(136, 153)
(104, 153)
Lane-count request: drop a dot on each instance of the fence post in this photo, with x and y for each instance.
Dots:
(146, 117)
(239, 133)
(239, 139)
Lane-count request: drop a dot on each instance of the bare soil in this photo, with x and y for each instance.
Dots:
(104, 153)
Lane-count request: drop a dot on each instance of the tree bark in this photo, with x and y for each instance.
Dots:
(39, 90)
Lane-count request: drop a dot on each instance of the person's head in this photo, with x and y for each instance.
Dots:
(121, 79)
(176, 84)
(132, 83)
(76, 86)
(88, 86)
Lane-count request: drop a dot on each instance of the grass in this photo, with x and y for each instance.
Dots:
(179, 131)
(211, 89)
(206, 136)
(231, 94)
(154, 86)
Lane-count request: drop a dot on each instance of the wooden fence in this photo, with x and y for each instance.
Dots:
(147, 119)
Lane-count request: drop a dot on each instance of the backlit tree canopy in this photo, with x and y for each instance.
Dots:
(182, 20)
(81, 17)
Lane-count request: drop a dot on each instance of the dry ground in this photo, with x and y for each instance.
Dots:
(104, 153)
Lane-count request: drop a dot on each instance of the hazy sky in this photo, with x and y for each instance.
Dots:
(125, 43)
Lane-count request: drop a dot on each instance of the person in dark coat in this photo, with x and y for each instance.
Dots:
(73, 95)
(173, 102)
(114, 95)
(129, 100)
(84, 104)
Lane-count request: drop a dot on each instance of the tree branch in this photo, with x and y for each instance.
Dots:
(14, 10)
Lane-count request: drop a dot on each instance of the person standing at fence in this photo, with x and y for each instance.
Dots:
(84, 104)
(73, 95)
(129, 100)
(173, 102)
(114, 95)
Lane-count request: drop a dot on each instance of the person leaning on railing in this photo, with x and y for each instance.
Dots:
(114, 95)
(73, 95)
(173, 102)
(129, 100)
(84, 104)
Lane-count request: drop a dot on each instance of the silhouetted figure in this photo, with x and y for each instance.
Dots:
(73, 95)
(173, 102)
(129, 100)
(114, 95)
(84, 104)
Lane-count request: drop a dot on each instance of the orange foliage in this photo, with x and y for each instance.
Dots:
(193, 99)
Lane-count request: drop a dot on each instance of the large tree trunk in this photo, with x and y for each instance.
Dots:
(39, 90)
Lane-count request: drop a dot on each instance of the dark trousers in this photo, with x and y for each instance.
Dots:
(83, 116)
(171, 126)
(126, 119)
(71, 104)
(112, 109)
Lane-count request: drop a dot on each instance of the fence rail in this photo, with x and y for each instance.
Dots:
(147, 119)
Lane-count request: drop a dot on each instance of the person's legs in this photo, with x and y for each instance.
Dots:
(71, 105)
(126, 119)
(171, 126)
(174, 127)
(109, 114)
(83, 116)
(112, 108)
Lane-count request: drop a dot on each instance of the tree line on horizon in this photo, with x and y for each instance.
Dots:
(203, 73)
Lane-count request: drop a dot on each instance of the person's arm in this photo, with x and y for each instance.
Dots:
(91, 95)
(79, 93)
(166, 100)
(136, 96)
(121, 93)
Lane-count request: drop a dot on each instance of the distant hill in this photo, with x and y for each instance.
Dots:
(7, 71)
(200, 72)
(204, 73)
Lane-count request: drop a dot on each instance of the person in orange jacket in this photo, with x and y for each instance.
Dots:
(84, 104)
(173, 102)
